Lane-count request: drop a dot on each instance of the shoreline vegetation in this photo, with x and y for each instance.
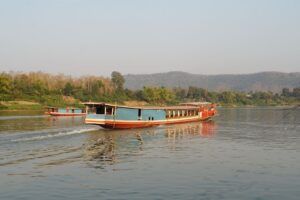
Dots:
(35, 90)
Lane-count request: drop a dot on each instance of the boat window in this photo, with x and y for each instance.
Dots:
(149, 118)
(139, 113)
(152, 118)
(109, 110)
(91, 110)
(100, 110)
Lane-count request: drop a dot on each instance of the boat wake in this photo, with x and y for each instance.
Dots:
(22, 117)
(54, 135)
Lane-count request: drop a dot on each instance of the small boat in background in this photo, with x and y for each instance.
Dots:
(69, 111)
(122, 117)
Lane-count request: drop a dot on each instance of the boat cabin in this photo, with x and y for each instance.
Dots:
(119, 112)
(70, 111)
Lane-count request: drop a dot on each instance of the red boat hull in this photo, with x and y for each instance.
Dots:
(65, 114)
(118, 124)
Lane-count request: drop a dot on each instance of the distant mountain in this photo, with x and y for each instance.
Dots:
(263, 81)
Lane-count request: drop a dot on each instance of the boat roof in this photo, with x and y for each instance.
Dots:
(179, 107)
(200, 103)
(48, 107)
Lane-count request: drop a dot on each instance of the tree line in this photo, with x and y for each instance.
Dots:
(57, 90)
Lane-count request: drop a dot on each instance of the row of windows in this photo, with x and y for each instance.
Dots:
(181, 113)
(101, 110)
(67, 110)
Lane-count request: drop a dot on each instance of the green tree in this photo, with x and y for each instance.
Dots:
(158, 95)
(68, 89)
(285, 92)
(166, 96)
(5, 84)
(228, 97)
(296, 92)
(6, 87)
(139, 95)
(96, 86)
(197, 93)
(150, 95)
(118, 81)
(180, 93)
(129, 94)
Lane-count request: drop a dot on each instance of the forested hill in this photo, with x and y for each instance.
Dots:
(263, 81)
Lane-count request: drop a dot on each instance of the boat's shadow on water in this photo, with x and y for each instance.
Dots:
(108, 147)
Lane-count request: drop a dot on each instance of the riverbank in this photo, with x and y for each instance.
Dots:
(25, 104)
(21, 105)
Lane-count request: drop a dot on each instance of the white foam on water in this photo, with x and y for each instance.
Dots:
(22, 117)
(60, 134)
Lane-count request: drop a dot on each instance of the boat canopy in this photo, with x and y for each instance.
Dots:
(204, 103)
(184, 106)
(50, 107)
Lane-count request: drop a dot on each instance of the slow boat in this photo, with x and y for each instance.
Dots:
(124, 117)
(69, 111)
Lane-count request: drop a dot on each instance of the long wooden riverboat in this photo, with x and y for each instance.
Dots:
(69, 111)
(122, 117)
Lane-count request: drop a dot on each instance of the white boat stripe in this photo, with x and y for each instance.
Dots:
(165, 120)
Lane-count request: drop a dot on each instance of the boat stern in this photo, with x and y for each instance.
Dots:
(96, 119)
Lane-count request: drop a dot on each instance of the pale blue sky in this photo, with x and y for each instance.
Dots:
(148, 36)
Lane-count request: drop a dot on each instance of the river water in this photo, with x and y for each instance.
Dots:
(244, 153)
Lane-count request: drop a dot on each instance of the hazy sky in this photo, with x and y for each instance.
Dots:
(148, 36)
